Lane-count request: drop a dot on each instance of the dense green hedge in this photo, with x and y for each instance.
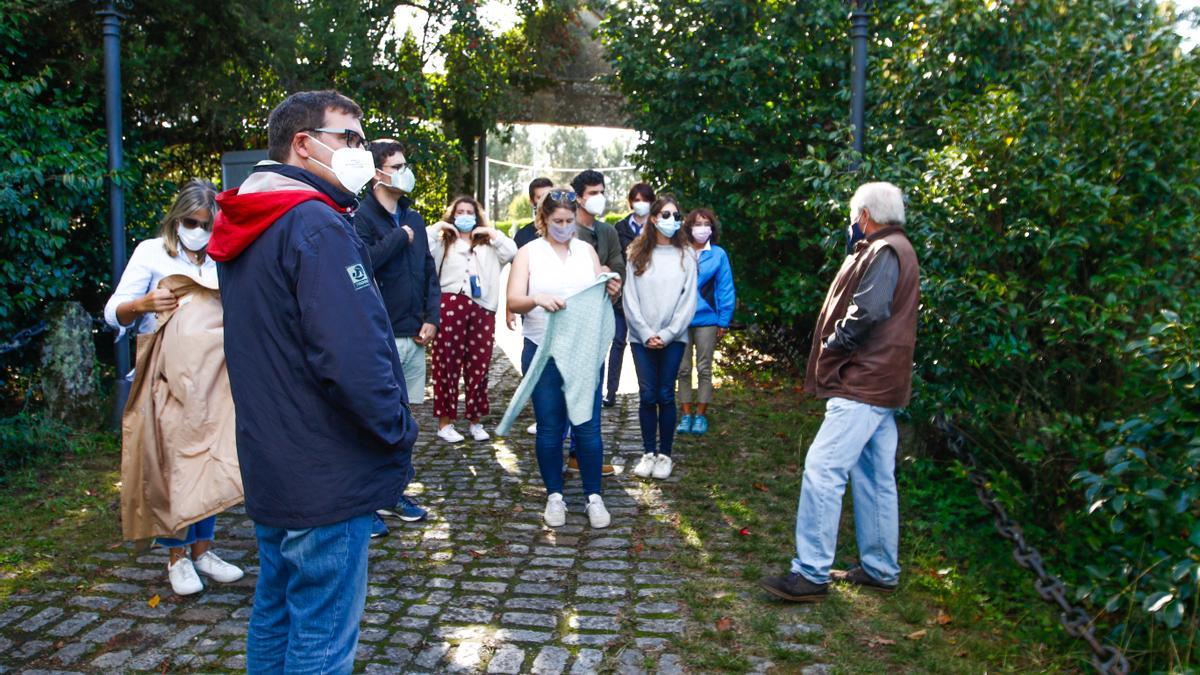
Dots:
(1052, 164)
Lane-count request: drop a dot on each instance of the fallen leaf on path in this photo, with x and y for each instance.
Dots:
(478, 554)
(943, 618)
(518, 508)
(153, 602)
(724, 623)
(745, 532)
(761, 487)
(917, 635)
(637, 548)
(877, 641)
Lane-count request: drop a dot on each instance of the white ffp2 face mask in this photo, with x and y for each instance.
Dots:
(403, 180)
(595, 205)
(640, 209)
(194, 239)
(353, 167)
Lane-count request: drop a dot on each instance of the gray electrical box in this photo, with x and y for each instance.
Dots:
(236, 166)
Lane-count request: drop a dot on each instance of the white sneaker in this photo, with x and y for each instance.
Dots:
(597, 514)
(449, 434)
(556, 511)
(184, 580)
(662, 467)
(531, 429)
(644, 466)
(477, 432)
(218, 570)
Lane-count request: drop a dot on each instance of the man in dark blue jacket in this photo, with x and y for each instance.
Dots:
(394, 234)
(324, 431)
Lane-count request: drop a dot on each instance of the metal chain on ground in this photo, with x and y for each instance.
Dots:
(22, 338)
(1077, 622)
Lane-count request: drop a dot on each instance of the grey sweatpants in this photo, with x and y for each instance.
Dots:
(702, 340)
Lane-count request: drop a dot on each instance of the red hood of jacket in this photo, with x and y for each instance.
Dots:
(243, 217)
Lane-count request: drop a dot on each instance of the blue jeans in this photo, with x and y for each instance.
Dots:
(856, 441)
(550, 412)
(616, 353)
(312, 586)
(201, 530)
(656, 372)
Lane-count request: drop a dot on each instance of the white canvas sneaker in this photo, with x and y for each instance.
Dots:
(477, 432)
(597, 514)
(556, 511)
(218, 570)
(184, 580)
(662, 467)
(449, 434)
(644, 466)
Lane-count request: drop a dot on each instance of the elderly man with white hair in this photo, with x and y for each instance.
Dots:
(861, 362)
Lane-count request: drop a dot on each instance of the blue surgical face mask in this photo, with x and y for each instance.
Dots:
(667, 227)
(854, 234)
(464, 223)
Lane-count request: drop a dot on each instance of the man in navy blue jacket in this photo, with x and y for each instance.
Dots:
(324, 431)
(394, 234)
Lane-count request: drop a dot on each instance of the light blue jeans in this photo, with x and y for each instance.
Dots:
(856, 442)
(412, 361)
(312, 585)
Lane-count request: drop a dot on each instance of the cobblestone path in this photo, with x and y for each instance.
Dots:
(482, 586)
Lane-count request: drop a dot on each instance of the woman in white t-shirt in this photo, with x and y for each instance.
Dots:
(180, 248)
(545, 272)
(468, 255)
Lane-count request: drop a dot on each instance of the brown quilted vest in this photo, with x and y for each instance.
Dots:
(880, 371)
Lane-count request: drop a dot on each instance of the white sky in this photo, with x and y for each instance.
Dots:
(1190, 33)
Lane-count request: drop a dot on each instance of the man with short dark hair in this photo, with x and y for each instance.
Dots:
(589, 194)
(861, 361)
(537, 187)
(404, 269)
(324, 432)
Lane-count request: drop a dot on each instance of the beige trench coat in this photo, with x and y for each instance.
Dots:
(179, 459)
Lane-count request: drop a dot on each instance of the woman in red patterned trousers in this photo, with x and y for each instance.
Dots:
(469, 256)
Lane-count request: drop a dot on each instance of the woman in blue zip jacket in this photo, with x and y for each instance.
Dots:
(714, 311)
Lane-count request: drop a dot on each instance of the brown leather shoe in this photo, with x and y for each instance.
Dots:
(858, 576)
(794, 587)
(606, 470)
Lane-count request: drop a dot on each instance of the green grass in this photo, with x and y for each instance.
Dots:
(963, 604)
(65, 501)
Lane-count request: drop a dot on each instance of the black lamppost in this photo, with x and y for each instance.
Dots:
(110, 20)
(860, 14)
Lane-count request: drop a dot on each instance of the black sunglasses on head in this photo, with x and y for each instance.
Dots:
(562, 196)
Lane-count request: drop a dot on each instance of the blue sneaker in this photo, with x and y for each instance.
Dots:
(685, 425)
(699, 424)
(378, 529)
(406, 510)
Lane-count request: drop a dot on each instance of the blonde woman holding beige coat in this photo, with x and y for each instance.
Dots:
(180, 249)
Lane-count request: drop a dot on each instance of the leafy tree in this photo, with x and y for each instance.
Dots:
(1049, 155)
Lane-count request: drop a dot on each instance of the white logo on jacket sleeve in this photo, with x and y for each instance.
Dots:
(358, 276)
